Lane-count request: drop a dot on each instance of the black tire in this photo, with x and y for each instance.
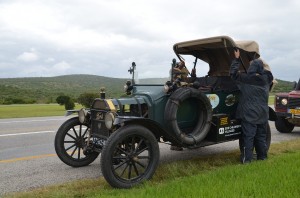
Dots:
(283, 126)
(130, 156)
(69, 141)
(268, 140)
(203, 108)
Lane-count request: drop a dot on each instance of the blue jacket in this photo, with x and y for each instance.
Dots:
(254, 91)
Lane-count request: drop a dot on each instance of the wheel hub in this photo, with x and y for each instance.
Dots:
(132, 157)
(80, 142)
(135, 159)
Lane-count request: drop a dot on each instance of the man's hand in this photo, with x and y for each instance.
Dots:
(237, 53)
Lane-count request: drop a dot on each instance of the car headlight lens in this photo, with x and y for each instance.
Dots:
(82, 115)
(109, 120)
(284, 101)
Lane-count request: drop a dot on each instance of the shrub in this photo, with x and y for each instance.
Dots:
(65, 100)
(69, 105)
(62, 99)
(86, 99)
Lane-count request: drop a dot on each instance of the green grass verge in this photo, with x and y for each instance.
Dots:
(33, 110)
(212, 176)
(271, 99)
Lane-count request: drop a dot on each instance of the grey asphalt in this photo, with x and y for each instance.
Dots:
(28, 160)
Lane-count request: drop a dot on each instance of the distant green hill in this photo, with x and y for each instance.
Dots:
(47, 89)
(283, 86)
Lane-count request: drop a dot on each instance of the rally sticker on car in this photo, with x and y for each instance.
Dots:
(230, 130)
(214, 100)
(230, 100)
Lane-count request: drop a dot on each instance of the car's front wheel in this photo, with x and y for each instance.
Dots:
(70, 141)
(130, 156)
(283, 126)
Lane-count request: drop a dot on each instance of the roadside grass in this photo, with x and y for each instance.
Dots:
(212, 176)
(33, 110)
(271, 99)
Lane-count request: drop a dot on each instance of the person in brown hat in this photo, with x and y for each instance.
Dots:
(253, 109)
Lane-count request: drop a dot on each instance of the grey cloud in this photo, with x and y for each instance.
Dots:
(104, 37)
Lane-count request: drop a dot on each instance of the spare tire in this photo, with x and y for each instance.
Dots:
(202, 108)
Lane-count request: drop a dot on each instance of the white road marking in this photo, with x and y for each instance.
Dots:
(27, 133)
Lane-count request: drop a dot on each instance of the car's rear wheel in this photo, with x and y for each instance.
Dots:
(130, 156)
(283, 126)
(70, 140)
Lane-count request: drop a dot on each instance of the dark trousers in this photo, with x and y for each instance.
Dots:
(254, 136)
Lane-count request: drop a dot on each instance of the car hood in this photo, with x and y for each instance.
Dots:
(295, 94)
(218, 52)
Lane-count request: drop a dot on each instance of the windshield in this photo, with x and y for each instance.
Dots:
(202, 67)
(140, 74)
(149, 75)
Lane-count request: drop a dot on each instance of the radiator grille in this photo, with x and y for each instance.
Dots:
(293, 103)
(98, 125)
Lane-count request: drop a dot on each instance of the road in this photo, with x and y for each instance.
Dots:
(28, 159)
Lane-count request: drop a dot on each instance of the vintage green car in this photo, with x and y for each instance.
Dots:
(188, 112)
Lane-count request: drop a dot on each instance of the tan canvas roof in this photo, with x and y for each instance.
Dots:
(218, 52)
(249, 46)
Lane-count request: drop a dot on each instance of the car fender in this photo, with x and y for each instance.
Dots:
(152, 125)
(70, 112)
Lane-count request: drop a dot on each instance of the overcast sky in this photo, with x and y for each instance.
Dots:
(40, 38)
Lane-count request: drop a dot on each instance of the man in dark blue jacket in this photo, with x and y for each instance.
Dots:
(253, 109)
